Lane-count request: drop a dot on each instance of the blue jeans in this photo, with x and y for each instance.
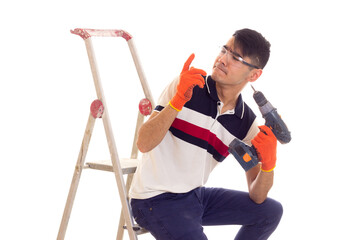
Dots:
(171, 216)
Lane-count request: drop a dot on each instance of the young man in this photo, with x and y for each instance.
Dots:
(188, 134)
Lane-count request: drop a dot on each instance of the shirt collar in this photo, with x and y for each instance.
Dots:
(211, 88)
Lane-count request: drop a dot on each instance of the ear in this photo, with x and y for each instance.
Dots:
(254, 75)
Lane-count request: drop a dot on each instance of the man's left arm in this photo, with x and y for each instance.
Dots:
(259, 183)
(260, 178)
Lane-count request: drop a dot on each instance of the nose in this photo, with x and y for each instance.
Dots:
(223, 59)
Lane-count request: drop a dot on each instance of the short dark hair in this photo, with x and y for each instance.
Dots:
(253, 45)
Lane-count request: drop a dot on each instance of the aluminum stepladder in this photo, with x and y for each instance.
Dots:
(99, 109)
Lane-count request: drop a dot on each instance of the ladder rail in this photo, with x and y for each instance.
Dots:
(76, 177)
(110, 139)
(140, 72)
(134, 154)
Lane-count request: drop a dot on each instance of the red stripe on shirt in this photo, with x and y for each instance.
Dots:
(203, 134)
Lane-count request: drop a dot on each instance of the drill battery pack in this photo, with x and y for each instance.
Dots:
(244, 154)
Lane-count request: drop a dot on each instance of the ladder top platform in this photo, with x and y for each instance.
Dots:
(86, 33)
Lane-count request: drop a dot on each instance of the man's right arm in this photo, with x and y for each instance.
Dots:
(152, 132)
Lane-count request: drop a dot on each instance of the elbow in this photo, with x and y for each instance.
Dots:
(144, 144)
(141, 142)
(257, 199)
(146, 140)
(142, 147)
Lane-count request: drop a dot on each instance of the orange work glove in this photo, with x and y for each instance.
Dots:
(189, 78)
(265, 144)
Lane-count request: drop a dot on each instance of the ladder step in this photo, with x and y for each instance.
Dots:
(137, 229)
(128, 165)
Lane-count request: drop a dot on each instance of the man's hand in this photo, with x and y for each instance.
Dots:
(265, 144)
(189, 78)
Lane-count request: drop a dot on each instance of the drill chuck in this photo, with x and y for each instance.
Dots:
(264, 105)
(259, 98)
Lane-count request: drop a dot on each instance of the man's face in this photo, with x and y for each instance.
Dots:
(225, 72)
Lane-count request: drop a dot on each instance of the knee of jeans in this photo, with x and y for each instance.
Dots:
(274, 209)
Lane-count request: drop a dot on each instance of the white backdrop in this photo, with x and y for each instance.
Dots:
(46, 89)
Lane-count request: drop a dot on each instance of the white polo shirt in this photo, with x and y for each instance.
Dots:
(196, 142)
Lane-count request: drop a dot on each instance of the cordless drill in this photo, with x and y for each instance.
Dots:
(246, 155)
